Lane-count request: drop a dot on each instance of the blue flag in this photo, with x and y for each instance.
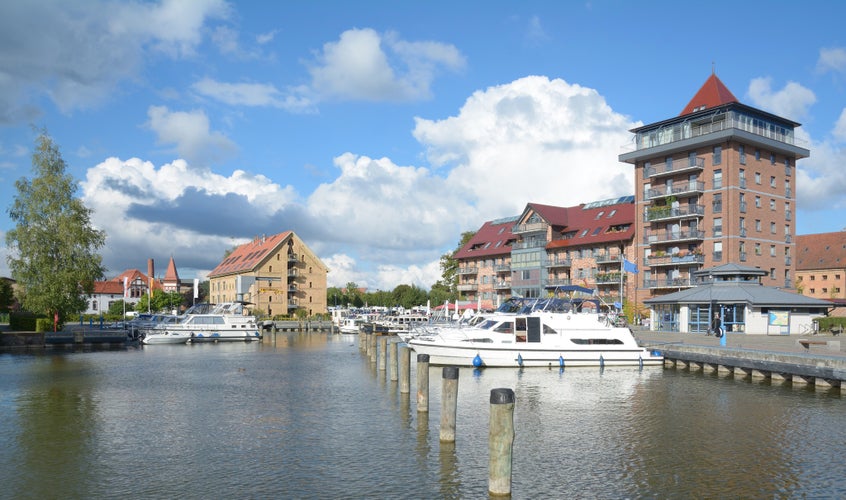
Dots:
(629, 267)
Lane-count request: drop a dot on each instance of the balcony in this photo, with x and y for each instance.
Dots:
(607, 258)
(680, 189)
(676, 260)
(468, 287)
(668, 283)
(674, 167)
(535, 227)
(712, 124)
(659, 237)
(556, 282)
(608, 278)
(524, 245)
(292, 258)
(502, 268)
(559, 262)
(665, 213)
(468, 270)
(502, 285)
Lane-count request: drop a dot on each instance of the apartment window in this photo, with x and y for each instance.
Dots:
(717, 157)
(813, 277)
(825, 290)
(757, 202)
(742, 223)
(718, 179)
(757, 177)
(772, 158)
(825, 276)
(757, 249)
(757, 154)
(772, 204)
(718, 250)
(742, 151)
(837, 276)
(787, 168)
(772, 273)
(691, 159)
(758, 225)
(718, 203)
(773, 227)
(772, 251)
(813, 291)
(742, 178)
(772, 181)
(718, 227)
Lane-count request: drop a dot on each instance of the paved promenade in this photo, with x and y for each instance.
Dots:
(770, 343)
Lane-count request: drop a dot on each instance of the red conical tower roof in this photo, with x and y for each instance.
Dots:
(171, 274)
(713, 93)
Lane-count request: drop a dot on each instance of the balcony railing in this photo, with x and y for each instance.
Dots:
(523, 245)
(467, 287)
(669, 236)
(468, 270)
(502, 268)
(607, 258)
(675, 167)
(502, 285)
(678, 189)
(608, 278)
(683, 130)
(558, 282)
(675, 260)
(559, 262)
(530, 228)
(663, 213)
(668, 283)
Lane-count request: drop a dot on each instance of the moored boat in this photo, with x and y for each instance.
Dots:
(563, 333)
(226, 322)
(166, 337)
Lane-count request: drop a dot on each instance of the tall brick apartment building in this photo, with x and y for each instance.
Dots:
(714, 185)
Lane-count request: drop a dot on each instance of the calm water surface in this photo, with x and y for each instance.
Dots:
(309, 416)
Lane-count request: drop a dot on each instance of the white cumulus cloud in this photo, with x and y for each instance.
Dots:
(190, 133)
(791, 102)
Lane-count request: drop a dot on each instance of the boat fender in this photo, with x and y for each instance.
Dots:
(561, 361)
(520, 359)
(477, 361)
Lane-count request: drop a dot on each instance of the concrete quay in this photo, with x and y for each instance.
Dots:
(800, 360)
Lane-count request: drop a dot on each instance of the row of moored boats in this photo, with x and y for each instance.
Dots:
(573, 329)
(225, 322)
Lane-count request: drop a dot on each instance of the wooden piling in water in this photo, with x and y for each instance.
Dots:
(500, 441)
(422, 382)
(449, 403)
(392, 360)
(405, 369)
(373, 348)
(383, 352)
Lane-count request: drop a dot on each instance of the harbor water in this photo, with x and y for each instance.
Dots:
(309, 416)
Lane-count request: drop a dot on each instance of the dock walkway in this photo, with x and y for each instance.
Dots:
(819, 361)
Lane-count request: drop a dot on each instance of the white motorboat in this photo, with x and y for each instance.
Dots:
(350, 325)
(562, 334)
(225, 322)
(166, 337)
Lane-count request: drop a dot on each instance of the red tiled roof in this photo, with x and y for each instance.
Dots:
(249, 255)
(713, 93)
(554, 216)
(493, 238)
(108, 287)
(171, 274)
(821, 251)
(594, 225)
(131, 275)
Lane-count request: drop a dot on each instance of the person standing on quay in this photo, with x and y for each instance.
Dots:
(716, 325)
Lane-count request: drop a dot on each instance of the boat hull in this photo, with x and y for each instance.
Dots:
(201, 337)
(165, 338)
(529, 357)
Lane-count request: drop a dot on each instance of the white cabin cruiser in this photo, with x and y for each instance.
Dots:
(562, 334)
(226, 322)
(166, 337)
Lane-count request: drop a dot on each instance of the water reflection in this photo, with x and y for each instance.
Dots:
(311, 416)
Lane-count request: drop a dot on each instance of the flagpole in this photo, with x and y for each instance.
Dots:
(622, 273)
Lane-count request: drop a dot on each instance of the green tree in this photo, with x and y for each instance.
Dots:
(116, 308)
(335, 297)
(409, 296)
(6, 296)
(161, 302)
(53, 246)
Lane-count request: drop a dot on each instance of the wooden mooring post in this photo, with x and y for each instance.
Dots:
(392, 360)
(405, 369)
(449, 404)
(383, 352)
(422, 382)
(500, 441)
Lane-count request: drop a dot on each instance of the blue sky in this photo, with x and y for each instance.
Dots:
(379, 131)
